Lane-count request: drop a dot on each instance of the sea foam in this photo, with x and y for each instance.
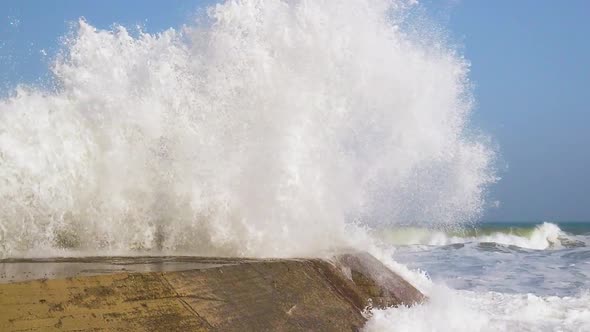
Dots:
(451, 310)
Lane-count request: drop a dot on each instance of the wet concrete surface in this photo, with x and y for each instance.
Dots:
(18, 270)
(196, 293)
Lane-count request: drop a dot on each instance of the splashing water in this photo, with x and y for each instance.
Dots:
(277, 128)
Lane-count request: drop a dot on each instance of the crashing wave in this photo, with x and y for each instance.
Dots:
(275, 128)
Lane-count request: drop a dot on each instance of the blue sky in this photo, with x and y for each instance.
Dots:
(530, 66)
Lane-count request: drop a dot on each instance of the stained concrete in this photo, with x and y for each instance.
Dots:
(196, 294)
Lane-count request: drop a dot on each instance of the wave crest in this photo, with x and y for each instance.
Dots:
(544, 236)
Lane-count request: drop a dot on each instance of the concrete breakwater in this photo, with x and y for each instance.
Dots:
(196, 293)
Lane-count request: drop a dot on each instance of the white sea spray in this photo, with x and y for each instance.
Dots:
(275, 128)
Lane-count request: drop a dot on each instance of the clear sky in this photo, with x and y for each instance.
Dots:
(530, 66)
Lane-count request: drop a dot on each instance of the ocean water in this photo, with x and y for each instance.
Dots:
(275, 128)
(495, 277)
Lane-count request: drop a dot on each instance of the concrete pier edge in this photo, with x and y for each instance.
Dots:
(196, 293)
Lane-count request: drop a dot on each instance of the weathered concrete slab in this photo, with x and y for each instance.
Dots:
(195, 294)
